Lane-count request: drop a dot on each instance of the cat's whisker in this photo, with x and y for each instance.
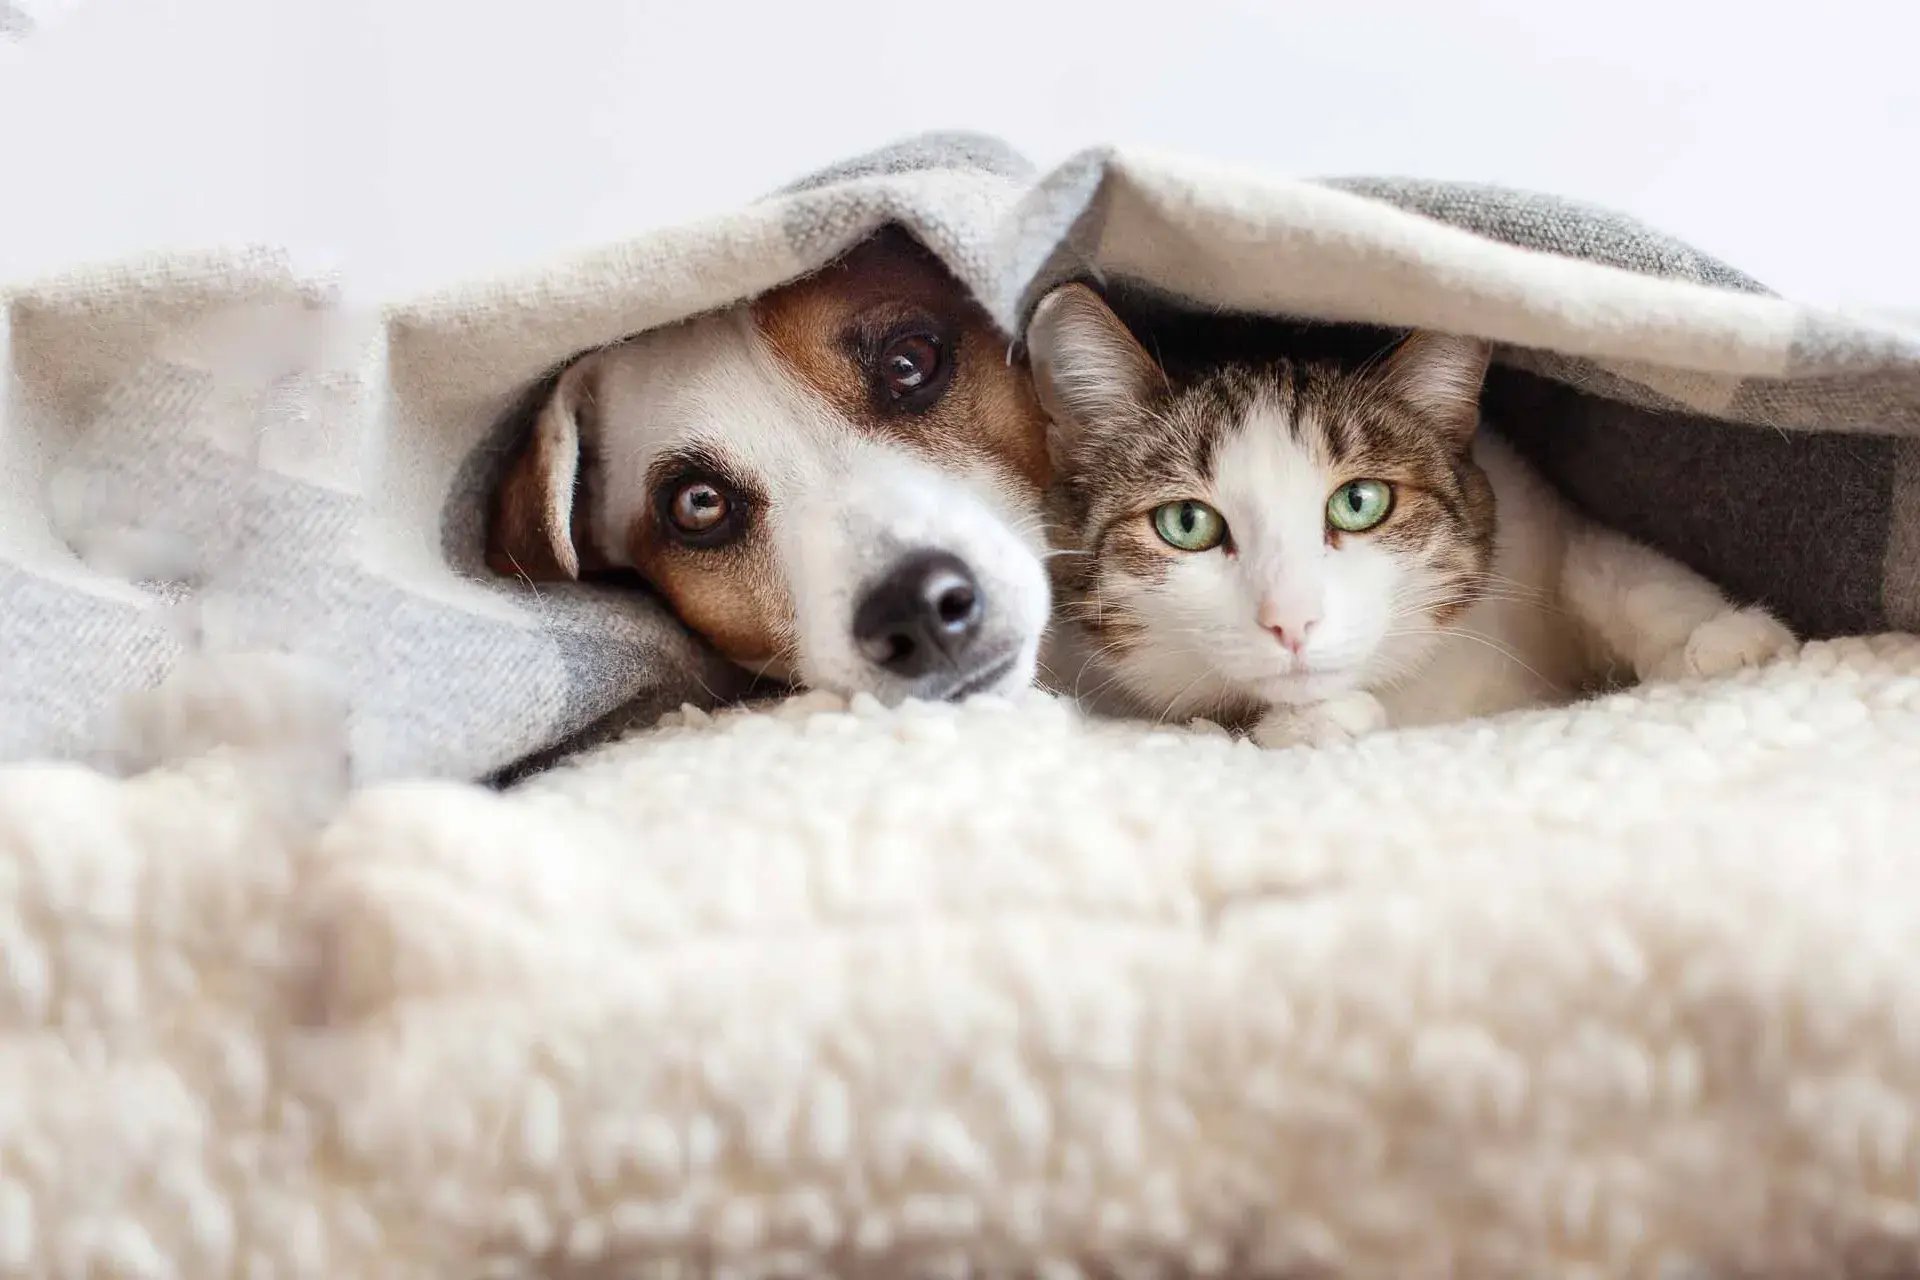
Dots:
(1389, 672)
(1091, 660)
(1119, 673)
(1499, 648)
(1175, 700)
(1409, 608)
(1100, 688)
(1490, 575)
(1442, 600)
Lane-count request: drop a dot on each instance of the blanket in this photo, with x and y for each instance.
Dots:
(1624, 989)
(229, 454)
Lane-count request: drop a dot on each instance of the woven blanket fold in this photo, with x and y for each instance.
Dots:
(323, 494)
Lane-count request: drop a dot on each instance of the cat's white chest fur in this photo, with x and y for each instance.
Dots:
(1518, 646)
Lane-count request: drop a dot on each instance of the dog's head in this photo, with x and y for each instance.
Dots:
(838, 484)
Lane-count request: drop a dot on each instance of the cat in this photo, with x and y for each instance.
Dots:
(1319, 549)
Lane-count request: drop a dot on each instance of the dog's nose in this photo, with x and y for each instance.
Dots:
(921, 616)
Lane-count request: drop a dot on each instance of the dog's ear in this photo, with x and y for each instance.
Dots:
(532, 527)
(1088, 367)
(1440, 376)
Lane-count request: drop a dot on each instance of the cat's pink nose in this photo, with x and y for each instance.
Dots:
(1293, 635)
(1290, 621)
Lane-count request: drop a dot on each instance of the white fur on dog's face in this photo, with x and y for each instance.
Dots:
(831, 484)
(837, 507)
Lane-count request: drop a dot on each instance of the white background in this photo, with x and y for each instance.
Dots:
(412, 141)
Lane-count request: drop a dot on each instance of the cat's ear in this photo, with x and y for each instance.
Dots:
(1087, 367)
(1440, 375)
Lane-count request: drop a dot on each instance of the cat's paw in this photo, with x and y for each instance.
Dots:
(1726, 643)
(1321, 724)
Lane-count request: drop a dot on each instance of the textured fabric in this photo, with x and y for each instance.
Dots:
(1550, 224)
(1624, 989)
(222, 454)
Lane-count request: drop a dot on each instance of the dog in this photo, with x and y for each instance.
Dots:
(838, 485)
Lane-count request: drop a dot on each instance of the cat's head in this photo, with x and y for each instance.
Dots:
(1268, 533)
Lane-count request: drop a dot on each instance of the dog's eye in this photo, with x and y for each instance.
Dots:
(912, 366)
(698, 507)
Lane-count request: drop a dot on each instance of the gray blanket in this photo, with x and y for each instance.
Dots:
(222, 454)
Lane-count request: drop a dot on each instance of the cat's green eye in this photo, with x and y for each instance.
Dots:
(1189, 525)
(1358, 505)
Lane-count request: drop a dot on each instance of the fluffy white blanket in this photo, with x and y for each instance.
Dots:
(1627, 988)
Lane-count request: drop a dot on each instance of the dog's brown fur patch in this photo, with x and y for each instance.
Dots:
(824, 329)
(533, 532)
(733, 594)
(523, 538)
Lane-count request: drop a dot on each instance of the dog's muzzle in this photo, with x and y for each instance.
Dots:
(923, 622)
